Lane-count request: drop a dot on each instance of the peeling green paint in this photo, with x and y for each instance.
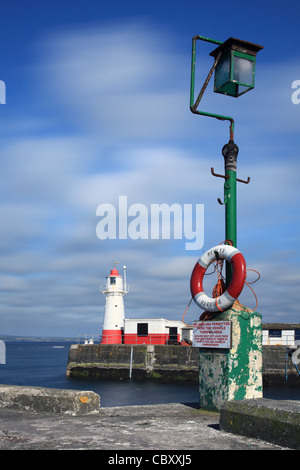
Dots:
(235, 373)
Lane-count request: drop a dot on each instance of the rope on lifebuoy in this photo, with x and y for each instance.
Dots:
(224, 301)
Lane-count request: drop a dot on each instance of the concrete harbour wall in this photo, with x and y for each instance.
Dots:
(163, 362)
(275, 421)
(276, 366)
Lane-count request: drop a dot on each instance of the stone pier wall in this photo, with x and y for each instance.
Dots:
(165, 363)
(276, 365)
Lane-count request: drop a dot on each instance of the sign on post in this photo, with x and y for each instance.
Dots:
(212, 334)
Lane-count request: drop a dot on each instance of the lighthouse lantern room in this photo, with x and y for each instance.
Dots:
(114, 291)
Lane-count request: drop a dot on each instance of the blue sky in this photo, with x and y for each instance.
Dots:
(97, 107)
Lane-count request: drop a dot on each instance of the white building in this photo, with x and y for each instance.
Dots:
(156, 331)
(286, 334)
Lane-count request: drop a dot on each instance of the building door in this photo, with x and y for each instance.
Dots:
(142, 329)
(173, 334)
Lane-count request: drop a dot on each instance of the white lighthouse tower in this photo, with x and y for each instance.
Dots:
(113, 325)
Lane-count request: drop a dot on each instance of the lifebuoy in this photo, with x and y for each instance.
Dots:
(238, 264)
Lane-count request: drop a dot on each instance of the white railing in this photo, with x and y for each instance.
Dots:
(284, 340)
(127, 339)
(89, 339)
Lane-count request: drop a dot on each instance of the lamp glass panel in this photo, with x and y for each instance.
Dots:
(222, 74)
(242, 89)
(243, 70)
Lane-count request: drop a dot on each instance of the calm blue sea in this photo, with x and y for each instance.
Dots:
(44, 364)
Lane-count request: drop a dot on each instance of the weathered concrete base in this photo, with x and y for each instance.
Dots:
(165, 363)
(51, 400)
(127, 430)
(235, 373)
(271, 420)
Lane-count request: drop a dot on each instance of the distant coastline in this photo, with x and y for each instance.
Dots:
(8, 338)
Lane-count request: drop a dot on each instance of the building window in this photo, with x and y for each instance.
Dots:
(275, 333)
(173, 334)
(142, 329)
(297, 334)
(112, 280)
(185, 334)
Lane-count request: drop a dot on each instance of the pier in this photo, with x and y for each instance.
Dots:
(168, 363)
(146, 430)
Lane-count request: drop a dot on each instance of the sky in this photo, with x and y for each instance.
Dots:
(96, 109)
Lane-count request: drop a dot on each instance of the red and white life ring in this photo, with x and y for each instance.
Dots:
(238, 264)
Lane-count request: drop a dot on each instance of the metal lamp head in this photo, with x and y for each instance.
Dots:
(235, 70)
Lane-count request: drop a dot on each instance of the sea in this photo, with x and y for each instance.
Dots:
(44, 364)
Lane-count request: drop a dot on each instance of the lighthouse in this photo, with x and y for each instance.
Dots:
(113, 324)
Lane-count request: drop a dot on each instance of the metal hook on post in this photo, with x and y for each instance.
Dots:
(226, 177)
(222, 203)
(243, 181)
(217, 175)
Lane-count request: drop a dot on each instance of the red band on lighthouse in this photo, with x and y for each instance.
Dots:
(112, 337)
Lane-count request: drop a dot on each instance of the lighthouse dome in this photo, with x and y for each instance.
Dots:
(114, 272)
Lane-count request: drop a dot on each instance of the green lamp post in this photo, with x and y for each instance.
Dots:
(234, 373)
(234, 67)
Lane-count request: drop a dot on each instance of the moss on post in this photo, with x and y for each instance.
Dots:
(235, 373)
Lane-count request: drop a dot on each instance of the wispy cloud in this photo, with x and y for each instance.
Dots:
(116, 105)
